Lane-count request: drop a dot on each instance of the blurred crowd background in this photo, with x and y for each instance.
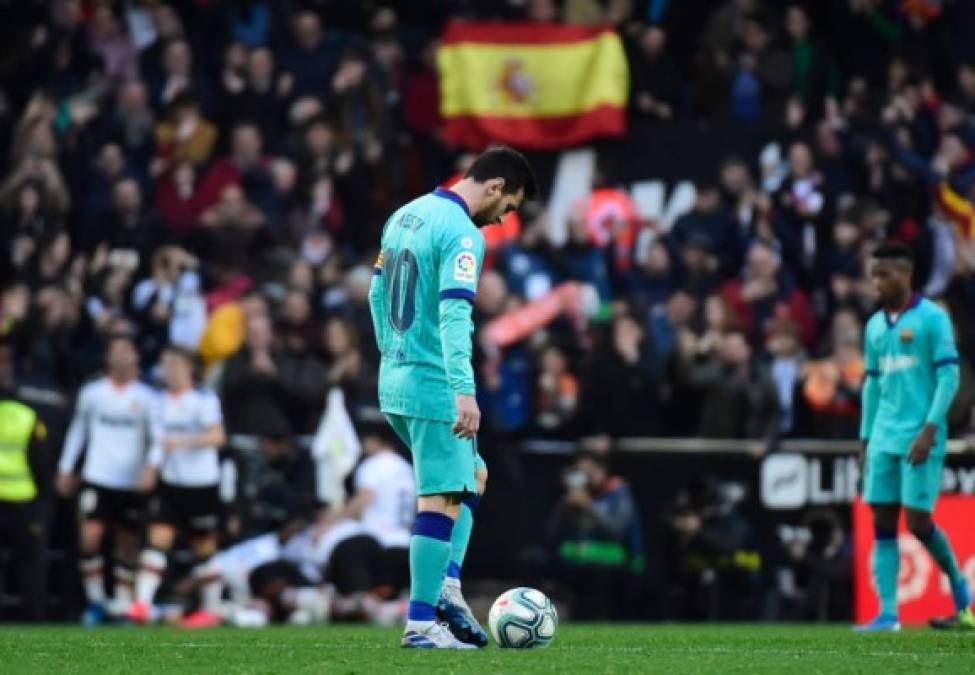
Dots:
(216, 173)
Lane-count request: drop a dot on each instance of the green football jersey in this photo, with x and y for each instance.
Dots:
(421, 303)
(911, 376)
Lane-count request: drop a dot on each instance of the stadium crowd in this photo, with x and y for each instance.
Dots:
(215, 174)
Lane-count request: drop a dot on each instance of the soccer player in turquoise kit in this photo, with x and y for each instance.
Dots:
(911, 379)
(421, 301)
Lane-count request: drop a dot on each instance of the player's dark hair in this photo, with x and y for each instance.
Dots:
(894, 250)
(507, 163)
(185, 353)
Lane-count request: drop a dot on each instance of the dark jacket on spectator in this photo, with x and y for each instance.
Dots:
(266, 404)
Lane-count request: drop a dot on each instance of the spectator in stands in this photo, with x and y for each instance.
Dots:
(346, 367)
(710, 220)
(598, 539)
(130, 226)
(526, 263)
(831, 386)
(582, 261)
(166, 28)
(254, 91)
(699, 272)
(313, 57)
(246, 166)
(766, 292)
(184, 135)
(558, 393)
(810, 65)
(739, 196)
(179, 77)
(739, 397)
(652, 280)
(253, 386)
(132, 123)
(620, 395)
(786, 370)
(168, 305)
(26, 223)
(806, 208)
(656, 81)
(111, 42)
(97, 202)
(358, 102)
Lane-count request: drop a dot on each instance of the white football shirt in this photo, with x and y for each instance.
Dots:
(117, 425)
(236, 563)
(389, 516)
(312, 555)
(188, 413)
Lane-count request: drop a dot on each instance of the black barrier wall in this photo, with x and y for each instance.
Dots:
(788, 499)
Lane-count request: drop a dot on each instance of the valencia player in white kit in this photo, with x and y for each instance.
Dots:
(114, 425)
(187, 463)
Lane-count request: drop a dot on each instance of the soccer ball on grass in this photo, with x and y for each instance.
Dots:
(523, 618)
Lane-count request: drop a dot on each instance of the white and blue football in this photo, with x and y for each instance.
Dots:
(523, 618)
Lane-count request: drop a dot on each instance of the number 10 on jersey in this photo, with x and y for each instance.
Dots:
(402, 273)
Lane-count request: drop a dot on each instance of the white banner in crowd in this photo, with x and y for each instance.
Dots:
(335, 449)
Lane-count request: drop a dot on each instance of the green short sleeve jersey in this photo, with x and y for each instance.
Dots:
(906, 355)
(421, 298)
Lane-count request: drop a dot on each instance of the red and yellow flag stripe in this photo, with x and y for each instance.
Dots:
(531, 85)
(957, 208)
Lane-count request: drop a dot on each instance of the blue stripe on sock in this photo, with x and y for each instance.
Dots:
(434, 525)
(882, 533)
(421, 611)
(472, 502)
(453, 570)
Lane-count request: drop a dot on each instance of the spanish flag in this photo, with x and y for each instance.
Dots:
(959, 209)
(539, 86)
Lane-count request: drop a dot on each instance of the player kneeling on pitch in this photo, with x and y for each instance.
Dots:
(911, 379)
(421, 302)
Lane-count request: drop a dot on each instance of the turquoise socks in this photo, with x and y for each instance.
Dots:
(461, 536)
(886, 561)
(430, 548)
(940, 549)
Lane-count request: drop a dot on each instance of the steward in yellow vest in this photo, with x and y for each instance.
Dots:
(22, 436)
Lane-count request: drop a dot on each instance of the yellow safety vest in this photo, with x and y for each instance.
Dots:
(17, 424)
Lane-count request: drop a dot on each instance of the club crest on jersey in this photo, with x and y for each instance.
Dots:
(907, 335)
(465, 267)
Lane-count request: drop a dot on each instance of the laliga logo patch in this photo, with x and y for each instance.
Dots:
(465, 267)
(907, 335)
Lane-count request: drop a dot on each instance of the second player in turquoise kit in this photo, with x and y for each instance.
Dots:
(911, 379)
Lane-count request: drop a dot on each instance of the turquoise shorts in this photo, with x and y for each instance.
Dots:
(442, 463)
(890, 479)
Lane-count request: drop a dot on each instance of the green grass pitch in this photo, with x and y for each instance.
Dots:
(578, 648)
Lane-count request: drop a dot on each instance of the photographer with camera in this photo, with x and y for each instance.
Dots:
(598, 539)
(712, 566)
